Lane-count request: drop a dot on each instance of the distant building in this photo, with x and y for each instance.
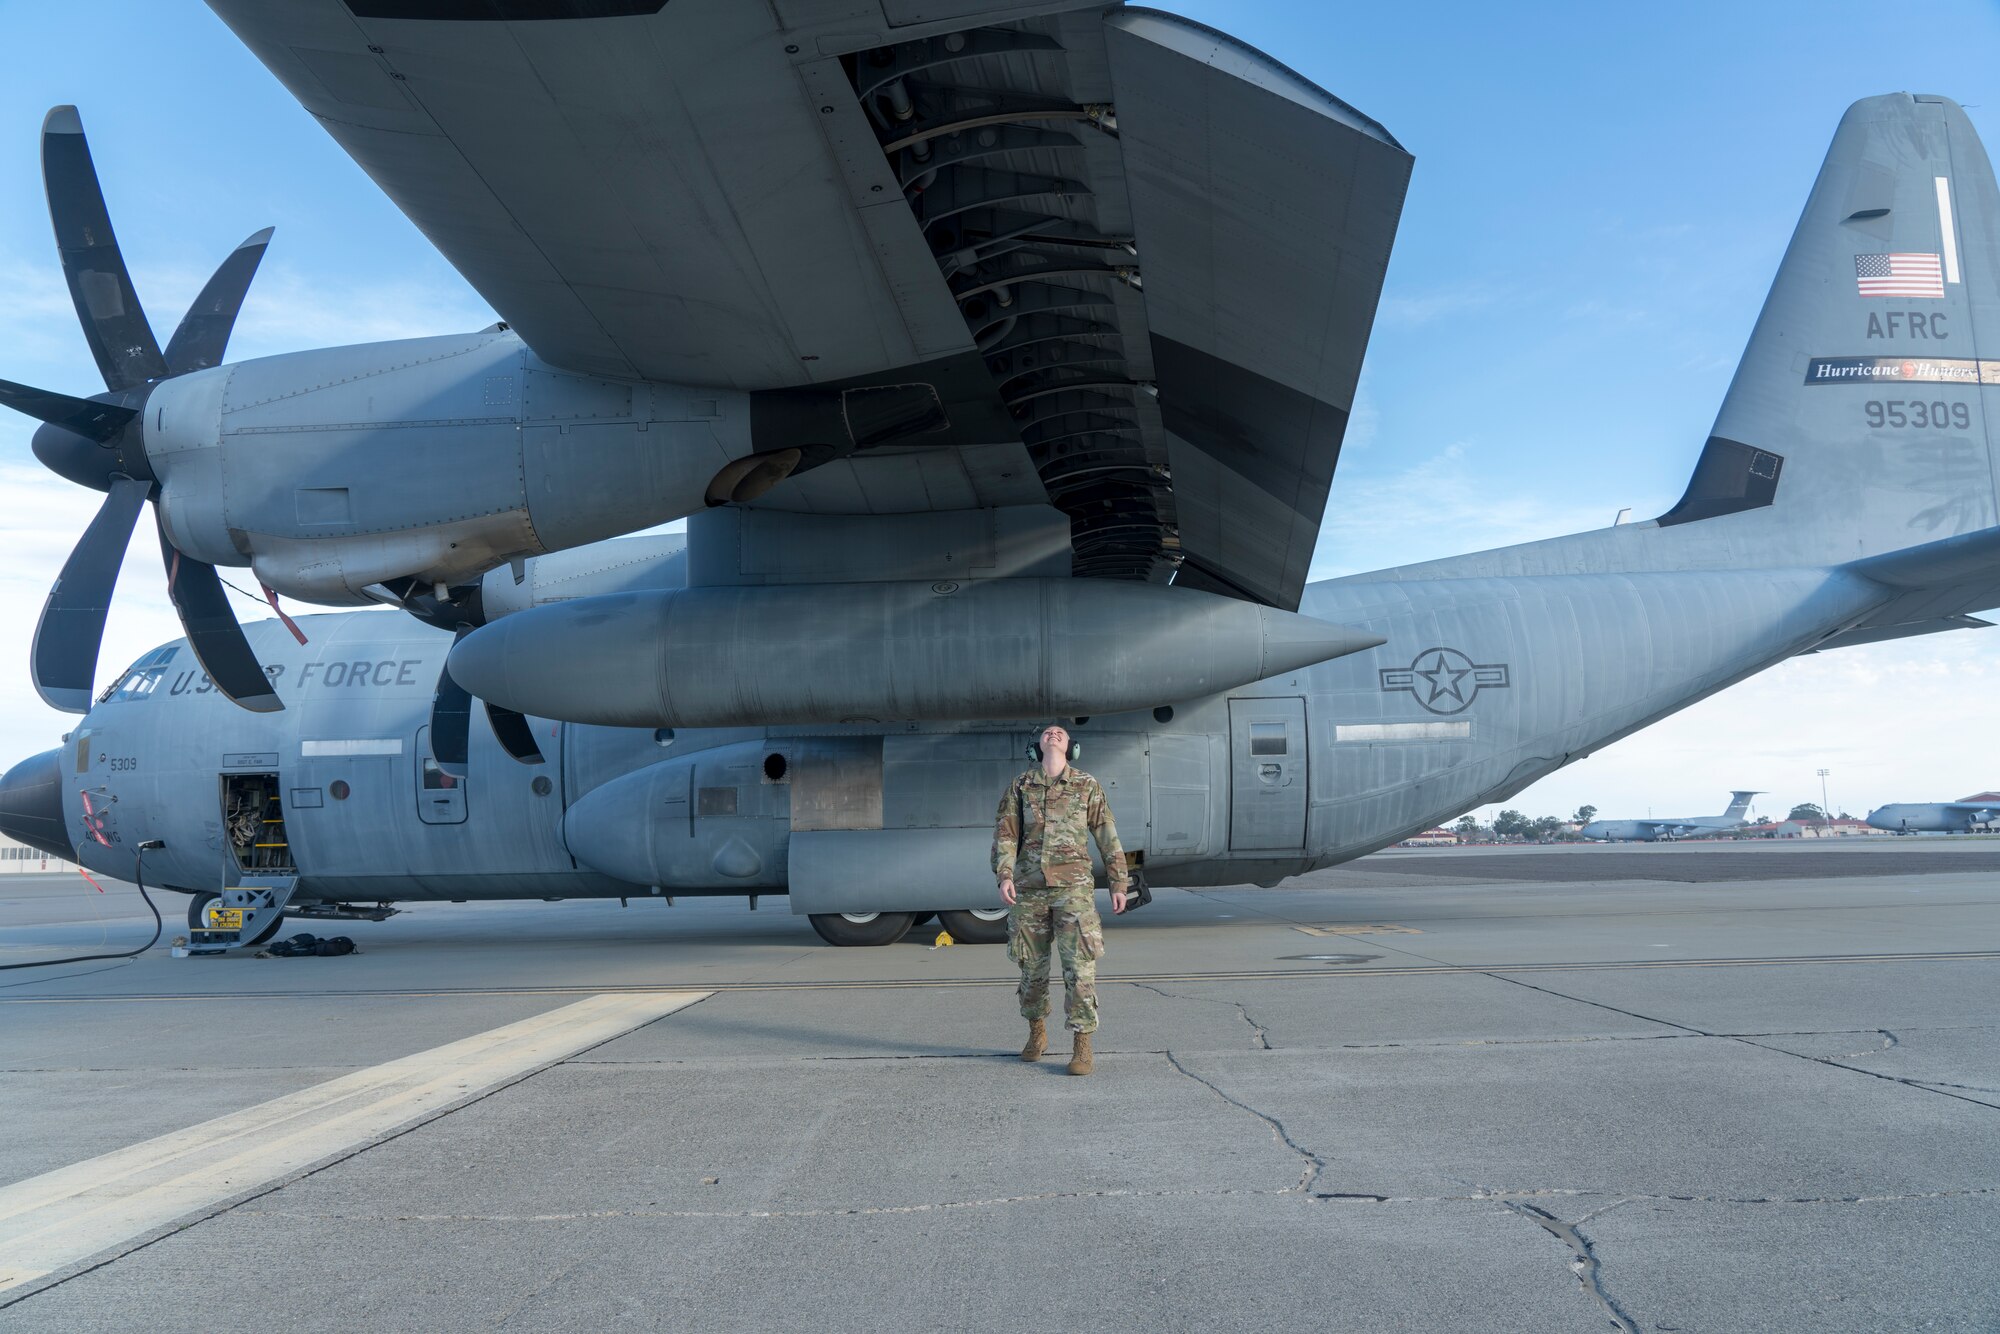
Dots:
(1431, 838)
(1991, 826)
(18, 859)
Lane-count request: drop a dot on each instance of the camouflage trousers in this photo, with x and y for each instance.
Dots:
(1065, 919)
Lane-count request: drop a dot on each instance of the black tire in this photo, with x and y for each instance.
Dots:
(917, 919)
(853, 929)
(975, 927)
(198, 905)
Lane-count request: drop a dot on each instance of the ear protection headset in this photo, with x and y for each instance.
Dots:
(1075, 750)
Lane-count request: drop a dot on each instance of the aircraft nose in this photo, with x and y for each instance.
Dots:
(31, 810)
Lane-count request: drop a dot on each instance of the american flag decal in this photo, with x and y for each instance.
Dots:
(1898, 275)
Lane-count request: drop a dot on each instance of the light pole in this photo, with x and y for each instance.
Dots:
(1825, 811)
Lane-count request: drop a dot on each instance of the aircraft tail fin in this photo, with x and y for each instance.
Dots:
(1739, 803)
(1855, 420)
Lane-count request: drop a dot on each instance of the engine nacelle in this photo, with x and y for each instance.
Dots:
(833, 653)
(433, 459)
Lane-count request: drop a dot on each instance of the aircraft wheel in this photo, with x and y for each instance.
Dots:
(861, 928)
(917, 919)
(976, 926)
(198, 906)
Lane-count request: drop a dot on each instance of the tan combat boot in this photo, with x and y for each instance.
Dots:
(1080, 1062)
(1038, 1040)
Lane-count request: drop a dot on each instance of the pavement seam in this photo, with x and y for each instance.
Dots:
(1434, 968)
(854, 1211)
(1315, 1164)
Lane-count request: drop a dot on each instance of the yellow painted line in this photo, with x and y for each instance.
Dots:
(66, 1216)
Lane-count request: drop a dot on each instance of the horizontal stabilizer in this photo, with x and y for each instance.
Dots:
(1909, 630)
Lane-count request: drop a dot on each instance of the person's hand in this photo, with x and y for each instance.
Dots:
(1007, 891)
(1117, 900)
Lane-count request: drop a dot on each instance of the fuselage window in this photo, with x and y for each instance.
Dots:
(1267, 738)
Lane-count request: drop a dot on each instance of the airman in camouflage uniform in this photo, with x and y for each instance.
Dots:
(1041, 856)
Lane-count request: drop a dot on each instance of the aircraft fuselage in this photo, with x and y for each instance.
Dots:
(1483, 686)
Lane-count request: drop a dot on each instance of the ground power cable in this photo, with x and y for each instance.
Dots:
(139, 878)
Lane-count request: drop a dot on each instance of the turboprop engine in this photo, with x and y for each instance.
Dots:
(867, 652)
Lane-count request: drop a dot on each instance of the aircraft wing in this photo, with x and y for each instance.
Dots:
(1135, 262)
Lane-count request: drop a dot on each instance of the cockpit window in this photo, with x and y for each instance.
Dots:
(142, 677)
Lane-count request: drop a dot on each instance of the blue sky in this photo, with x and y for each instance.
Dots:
(1601, 195)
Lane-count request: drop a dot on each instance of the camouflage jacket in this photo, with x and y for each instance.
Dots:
(1042, 831)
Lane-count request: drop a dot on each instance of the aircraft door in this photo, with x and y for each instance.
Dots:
(1267, 775)
(440, 796)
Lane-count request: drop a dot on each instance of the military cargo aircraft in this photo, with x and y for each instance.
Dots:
(1650, 830)
(1934, 817)
(999, 357)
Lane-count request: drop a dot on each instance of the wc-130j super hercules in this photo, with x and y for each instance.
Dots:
(999, 355)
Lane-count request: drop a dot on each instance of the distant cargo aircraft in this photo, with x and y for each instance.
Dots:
(1648, 831)
(1934, 817)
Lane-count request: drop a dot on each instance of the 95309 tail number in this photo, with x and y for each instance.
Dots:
(1917, 414)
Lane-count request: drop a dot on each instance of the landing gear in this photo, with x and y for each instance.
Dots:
(976, 926)
(862, 928)
(198, 916)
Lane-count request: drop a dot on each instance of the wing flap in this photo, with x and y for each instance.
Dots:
(1264, 211)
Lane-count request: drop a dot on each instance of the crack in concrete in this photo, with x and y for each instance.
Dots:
(1256, 1029)
(1943, 1084)
(1832, 1063)
(1583, 1263)
(1889, 1042)
(1314, 1164)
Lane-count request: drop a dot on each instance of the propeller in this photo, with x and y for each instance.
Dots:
(99, 442)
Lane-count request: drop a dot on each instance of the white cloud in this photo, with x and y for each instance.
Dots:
(1447, 505)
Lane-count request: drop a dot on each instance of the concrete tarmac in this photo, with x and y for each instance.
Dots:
(1687, 1087)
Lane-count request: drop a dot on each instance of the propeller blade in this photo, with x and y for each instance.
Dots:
(71, 630)
(106, 302)
(218, 642)
(513, 733)
(203, 335)
(95, 421)
(451, 718)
